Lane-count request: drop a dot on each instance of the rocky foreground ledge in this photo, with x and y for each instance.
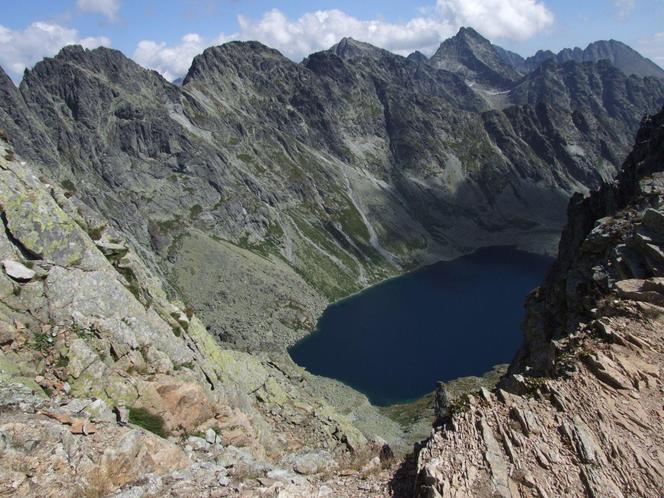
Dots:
(580, 413)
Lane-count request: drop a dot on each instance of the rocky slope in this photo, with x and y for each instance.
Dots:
(314, 180)
(93, 353)
(579, 413)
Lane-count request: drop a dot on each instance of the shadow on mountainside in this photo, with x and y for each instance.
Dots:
(403, 480)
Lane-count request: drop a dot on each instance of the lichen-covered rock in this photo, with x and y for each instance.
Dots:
(47, 233)
(311, 462)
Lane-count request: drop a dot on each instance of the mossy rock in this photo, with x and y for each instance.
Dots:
(41, 226)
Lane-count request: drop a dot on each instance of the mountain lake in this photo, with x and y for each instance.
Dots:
(451, 319)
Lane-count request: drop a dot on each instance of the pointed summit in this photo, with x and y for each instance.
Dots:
(418, 57)
(470, 33)
(349, 48)
(474, 57)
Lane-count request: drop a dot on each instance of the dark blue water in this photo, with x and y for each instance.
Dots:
(395, 340)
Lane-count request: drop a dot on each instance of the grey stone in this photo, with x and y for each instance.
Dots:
(7, 333)
(497, 464)
(17, 271)
(111, 249)
(211, 436)
(98, 410)
(198, 443)
(312, 462)
(654, 219)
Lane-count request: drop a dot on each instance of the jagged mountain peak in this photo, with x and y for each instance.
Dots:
(418, 57)
(113, 65)
(77, 53)
(475, 58)
(70, 50)
(4, 77)
(235, 50)
(350, 48)
(466, 32)
(213, 60)
(466, 37)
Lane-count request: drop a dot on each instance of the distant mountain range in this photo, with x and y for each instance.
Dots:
(473, 56)
(628, 60)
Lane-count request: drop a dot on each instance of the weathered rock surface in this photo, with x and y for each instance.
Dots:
(17, 271)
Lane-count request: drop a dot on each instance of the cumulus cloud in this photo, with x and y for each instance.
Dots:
(515, 19)
(624, 7)
(321, 29)
(173, 61)
(653, 48)
(22, 48)
(318, 30)
(108, 8)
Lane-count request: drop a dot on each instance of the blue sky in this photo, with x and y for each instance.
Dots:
(166, 34)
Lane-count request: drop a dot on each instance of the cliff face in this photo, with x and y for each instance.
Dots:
(594, 254)
(579, 412)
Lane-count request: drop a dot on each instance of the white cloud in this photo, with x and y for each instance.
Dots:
(653, 48)
(515, 19)
(22, 48)
(319, 30)
(624, 7)
(108, 8)
(173, 61)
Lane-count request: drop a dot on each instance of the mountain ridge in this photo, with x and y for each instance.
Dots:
(619, 54)
(338, 171)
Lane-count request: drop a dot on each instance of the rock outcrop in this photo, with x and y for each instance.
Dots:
(579, 413)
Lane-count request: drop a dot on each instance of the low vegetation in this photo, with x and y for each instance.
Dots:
(148, 421)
